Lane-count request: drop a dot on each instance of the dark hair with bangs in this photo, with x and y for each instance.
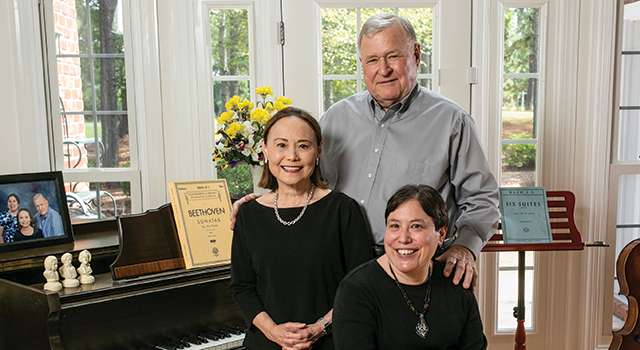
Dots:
(429, 199)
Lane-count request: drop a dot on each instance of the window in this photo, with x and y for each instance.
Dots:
(91, 95)
(231, 74)
(520, 114)
(625, 170)
(341, 69)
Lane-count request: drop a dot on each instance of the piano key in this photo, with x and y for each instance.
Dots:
(209, 336)
(206, 341)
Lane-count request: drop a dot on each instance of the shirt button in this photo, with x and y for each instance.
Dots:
(362, 201)
(369, 175)
(376, 150)
(382, 125)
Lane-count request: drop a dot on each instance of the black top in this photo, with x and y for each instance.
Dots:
(292, 272)
(371, 313)
(18, 236)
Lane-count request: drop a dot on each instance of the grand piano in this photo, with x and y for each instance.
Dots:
(148, 300)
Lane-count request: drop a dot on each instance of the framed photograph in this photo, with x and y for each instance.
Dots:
(33, 211)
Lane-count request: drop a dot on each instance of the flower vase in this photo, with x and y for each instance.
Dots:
(256, 174)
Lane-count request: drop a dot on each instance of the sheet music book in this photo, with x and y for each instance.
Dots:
(525, 216)
(201, 210)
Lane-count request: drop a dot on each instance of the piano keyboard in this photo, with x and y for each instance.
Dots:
(226, 338)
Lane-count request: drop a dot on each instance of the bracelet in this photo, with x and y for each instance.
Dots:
(326, 324)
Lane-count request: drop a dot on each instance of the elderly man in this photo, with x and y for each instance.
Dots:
(49, 221)
(399, 133)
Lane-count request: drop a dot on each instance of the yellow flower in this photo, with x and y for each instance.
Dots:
(269, 107)
(280, 106)
(233, 102)
(264, 91)
(246, 105)
(233, 129)
(258, 115)
(285, 100)
(225, 117)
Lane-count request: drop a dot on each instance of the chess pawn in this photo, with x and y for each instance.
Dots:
(68, 272)
(51, 274)
(84, 270)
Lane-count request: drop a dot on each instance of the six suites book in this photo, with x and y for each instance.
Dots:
(201, 210)
(525, 216)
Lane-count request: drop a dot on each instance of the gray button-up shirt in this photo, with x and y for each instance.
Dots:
(424, 139)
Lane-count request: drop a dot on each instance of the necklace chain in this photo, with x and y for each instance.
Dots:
(422, 329)
(275, 207)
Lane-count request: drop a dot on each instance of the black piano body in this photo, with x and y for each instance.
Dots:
(116, 312)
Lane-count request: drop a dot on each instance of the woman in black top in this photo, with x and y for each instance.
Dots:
(292, 246)
(26, 227)
(402, 299)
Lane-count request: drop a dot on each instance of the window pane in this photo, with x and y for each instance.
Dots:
(84, 199)
(111, 91)
(223, 90)
(92, 83)
(521, 40)
(106, 38)
(229, 55)
(239, 180)
(508, 299)
(428, 83)
(519, 95)
(70, 83)
(518, 165)
(422, 19)
(628, 229)
(112, 141)
(336, 90)
(229, 42)
(628, 204)
(339, 41)
(630, 80)
(366, 13)
(629, 135)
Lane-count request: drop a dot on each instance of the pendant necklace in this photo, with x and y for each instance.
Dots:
(422, 329)
(275, 207)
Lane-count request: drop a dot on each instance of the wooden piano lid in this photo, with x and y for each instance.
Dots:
(149, 244)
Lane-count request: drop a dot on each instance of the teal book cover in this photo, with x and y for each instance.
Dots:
(525, 216)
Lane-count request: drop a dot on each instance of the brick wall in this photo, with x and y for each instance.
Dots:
(69, 81)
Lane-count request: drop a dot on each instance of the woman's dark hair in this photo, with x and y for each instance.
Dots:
(429, 199)
(31, 223)
(14, 196)
(268, 180)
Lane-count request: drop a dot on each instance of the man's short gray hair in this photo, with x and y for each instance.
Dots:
(382, 21)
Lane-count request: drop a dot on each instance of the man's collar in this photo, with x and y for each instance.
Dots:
(400, 106)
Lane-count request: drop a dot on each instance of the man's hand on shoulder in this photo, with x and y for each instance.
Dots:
(461, 260)
(238, 203)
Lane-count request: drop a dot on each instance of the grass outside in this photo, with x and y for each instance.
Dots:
(520, 116)
(89, 130)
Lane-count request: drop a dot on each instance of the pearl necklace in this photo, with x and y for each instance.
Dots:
(275, 207)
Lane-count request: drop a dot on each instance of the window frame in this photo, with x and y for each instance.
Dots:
(91, 175)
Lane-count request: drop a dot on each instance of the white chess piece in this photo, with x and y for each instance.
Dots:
(68, 272)
(84, 270)
(51, 274)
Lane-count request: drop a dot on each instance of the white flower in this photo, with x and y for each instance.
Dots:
(248, 132)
